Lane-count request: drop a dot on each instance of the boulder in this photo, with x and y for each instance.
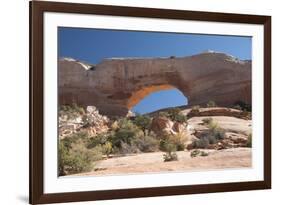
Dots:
(162, 125)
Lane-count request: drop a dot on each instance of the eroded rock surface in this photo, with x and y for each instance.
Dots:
(114, 86)
(90, 121)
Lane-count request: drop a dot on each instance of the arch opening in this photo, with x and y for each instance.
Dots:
(157, 98)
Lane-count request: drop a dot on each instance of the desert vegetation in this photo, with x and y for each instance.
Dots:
(211, 136)
(79, 151)
(87, 138)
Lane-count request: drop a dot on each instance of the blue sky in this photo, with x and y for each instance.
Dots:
(93, 45)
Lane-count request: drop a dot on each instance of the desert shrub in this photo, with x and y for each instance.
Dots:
(178, 141)
(123, 136)
(163, 114)
(212, 139)
(170, 151)
(165, 145)
(216, 131)
(146, 143)
(170, 156)
(95, 153)
(249, 141)
(107, 148)
(204, 154)
(133, 136)
(126, 132)
(207, 120)
(197, 152)
(62, 159)
(237, 107)
(194, 153)
(71, 111)
(180, 118)
(74, 138)
(142, 121)
(211, 104)
(212, 136)
(76, 158)
(195, 108)
(175, 115)
(99, 139)
(126, 149)
(102, 140)
(114, 126)
(75, 155)
(202, 143)
(244, 106)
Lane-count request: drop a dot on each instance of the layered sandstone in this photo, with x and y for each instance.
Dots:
(115, 85)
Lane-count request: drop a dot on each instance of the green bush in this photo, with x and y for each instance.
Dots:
(202, 143)
(146, 143)
(76, 158)
(195, 108)
(204, 154)
(99, 139)
(167, 146)
(237, 107)
(197, 152)
(194, 153)
(76, 153)
(207, 120)
(72, 139)
(216, 131)
(107, 148)
(212, 136)
(170, 156)
(211, 104)
(244, 106)
(178, 141)
(62, 159)
(180, 118)
(71, 111)
(130, 138)
(126, 132)
(126, 149)
(249, 141)
(175, 115)
(163, 114)
(143, 122)
(170, 151)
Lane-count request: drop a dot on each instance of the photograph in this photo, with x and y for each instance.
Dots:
(139, 102)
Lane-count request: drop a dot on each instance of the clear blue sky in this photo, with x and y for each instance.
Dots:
(93, 45)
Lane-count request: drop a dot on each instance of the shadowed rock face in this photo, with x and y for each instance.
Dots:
(116, 85)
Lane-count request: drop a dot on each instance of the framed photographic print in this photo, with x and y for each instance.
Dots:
(137, 102)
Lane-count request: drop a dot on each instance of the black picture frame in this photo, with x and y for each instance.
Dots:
(37, 9)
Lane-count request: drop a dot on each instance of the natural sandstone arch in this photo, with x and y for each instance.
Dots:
(142, 93)
(115, 85)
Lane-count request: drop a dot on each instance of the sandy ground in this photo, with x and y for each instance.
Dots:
(153, 162)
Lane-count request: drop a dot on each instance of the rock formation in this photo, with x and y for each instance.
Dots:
(90, 121)
(115, 85)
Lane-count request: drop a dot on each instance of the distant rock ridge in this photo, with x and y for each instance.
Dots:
(115, 85)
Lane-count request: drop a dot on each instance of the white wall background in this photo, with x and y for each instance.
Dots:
(14, 101)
